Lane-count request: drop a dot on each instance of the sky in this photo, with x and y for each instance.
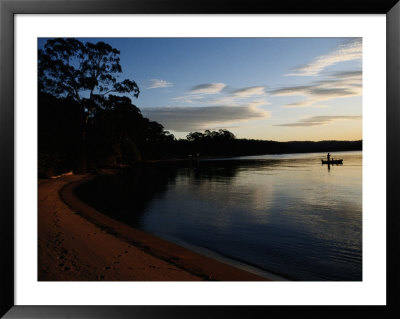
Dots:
(281, 89)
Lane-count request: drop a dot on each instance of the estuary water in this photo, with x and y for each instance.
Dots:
(285, 214)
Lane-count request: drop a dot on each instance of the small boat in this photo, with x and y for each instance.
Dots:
(331, 162)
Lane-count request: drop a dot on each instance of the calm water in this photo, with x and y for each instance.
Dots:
(286, 214)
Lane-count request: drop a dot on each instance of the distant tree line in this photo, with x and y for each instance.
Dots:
(86, 119)
(224, 143)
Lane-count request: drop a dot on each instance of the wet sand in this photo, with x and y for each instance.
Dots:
(77, 243)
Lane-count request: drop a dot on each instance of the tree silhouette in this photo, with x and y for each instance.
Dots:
(210, 136)
(114, 131)
(83, 72)
(195, 136)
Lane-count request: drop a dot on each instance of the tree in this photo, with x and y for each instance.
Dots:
(210, 136)
(114, 132)
(195, 136)
(58, 135)
(226, 135)
(83, 72)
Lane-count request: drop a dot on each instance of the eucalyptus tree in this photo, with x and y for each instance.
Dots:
(85, 72)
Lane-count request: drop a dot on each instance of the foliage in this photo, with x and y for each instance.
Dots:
(68, 67)
(85, 75)
(210, 136)
(117, 134)
(59, 137)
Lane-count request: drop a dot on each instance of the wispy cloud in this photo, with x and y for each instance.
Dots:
(214, 94)
(158, 83)
(208, 88)
(235, 101)
(347, 74)
(188, 99)
(350, 50)
(242, 95)
(320, 120)
(337, 85)
(186, 119)
(249, 91)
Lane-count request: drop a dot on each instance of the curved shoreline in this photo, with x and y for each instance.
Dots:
(76, 242)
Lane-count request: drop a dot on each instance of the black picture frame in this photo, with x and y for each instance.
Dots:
(9, 8)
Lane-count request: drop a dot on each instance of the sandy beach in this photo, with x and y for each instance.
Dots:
(78, 243)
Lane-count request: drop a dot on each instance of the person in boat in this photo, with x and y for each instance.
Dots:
(328, 156)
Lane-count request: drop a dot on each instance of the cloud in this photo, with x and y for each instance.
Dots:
(188, 99)
(257, 103)
(235, 101)
(292, 90)
(350, 50)
(198, 93)
(208, 88)
(337, 85)
(157, 83)
(240, 96)
(347, 74)
(225, 100)
(235, 98)
(320, 120)
(249, 91)
(188, 119)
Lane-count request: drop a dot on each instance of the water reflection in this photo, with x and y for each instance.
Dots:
(126, 195)
(289, 215)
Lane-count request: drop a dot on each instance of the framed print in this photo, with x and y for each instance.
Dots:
(167, 159)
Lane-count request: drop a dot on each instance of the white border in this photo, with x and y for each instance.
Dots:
(372, 290)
